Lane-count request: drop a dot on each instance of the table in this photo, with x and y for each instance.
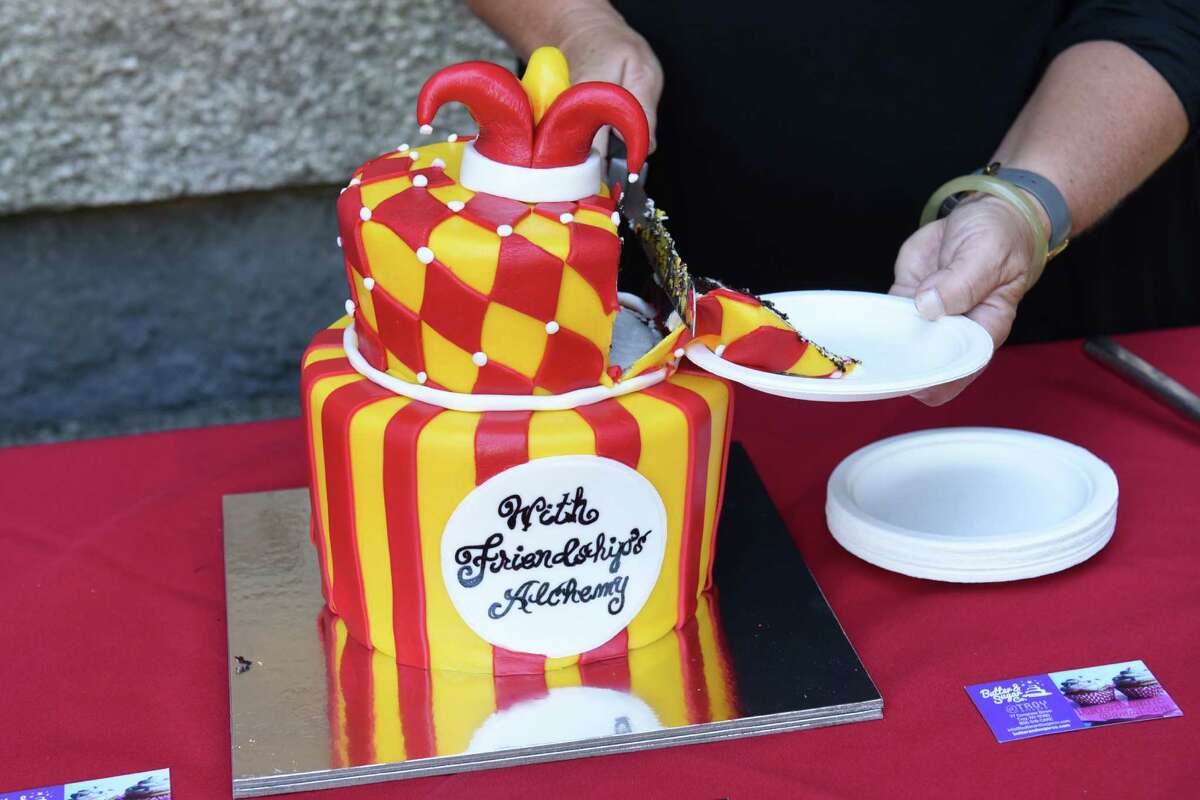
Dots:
(114, 635)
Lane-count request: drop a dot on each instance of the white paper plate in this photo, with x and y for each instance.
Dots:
(972, 504)
(901, 353)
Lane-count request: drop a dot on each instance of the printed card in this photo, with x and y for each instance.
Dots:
(154, 785)
(1036, 705)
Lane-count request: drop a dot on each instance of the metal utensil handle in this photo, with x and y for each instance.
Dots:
(1145, 375)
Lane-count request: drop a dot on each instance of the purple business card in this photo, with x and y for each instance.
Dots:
(153, 785)
(1071, 700)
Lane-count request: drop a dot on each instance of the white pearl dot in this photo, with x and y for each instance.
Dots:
(452, 137)
(455, 205)
(420, 181)
(616, 218)
(422, 377)
(424, 255)
(504, 230)
(633, 177)
(565, 217)
(439, 163)
(720, 350)
(355, 181)
(339, 241)
(349, 306)
(368, 283)
(479, 358)
(402, 148)
(426, 129)
(364, 213)
(552, 327)
(679, 352)
(414, 155)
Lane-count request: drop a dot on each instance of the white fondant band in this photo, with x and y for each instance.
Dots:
(457, 401)
(527, 184)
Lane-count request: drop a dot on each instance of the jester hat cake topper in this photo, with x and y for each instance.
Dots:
(539, 123)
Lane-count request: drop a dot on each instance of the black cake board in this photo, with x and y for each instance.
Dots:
(791, 666)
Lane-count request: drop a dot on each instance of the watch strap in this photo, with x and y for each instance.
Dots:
(1047, 195)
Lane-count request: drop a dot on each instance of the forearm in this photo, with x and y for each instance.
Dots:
(529, 24)
(1099, 123)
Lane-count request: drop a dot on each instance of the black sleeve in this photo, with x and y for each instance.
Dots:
(1164, 32)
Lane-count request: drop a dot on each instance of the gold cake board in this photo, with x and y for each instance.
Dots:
(785, 663)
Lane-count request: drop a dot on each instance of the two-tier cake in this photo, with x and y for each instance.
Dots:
(492, 492)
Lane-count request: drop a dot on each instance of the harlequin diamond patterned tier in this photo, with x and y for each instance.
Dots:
(474, 292)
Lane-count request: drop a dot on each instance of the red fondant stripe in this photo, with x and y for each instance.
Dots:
(510, 662)
(607, 666)
(617, 433)
(513, 689)
(766, 348)
(695, 693)
(355, 677)
(416, 712)
(710, 315)
(336, 415)
(699, 424)
(326, 338)
(720, 487)
(325, 621)
(501, 442)
(310, 375)
(404, 531)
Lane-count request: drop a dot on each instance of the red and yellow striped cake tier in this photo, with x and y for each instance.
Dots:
(388, 472)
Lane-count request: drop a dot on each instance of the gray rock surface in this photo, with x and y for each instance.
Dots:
(137, 100)
(137, 312)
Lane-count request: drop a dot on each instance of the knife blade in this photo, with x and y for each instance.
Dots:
(648, 223)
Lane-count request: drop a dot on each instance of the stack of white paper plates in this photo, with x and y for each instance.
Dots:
(972, 504)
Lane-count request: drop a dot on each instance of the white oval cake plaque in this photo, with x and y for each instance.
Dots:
(555, 556)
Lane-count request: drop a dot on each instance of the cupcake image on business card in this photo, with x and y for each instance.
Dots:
(1119, 692)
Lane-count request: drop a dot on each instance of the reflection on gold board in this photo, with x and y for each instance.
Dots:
(381, 711)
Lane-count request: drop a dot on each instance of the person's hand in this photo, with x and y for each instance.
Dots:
(977, 261)
(601, 46)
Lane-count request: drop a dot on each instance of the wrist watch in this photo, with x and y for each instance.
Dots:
(1045, 192)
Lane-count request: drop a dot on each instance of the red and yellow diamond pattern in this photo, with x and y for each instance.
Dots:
(470, 292)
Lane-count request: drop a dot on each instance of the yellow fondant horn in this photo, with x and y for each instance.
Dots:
(545, 78)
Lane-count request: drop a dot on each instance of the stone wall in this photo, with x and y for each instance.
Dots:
(169, 169)
(127, 101)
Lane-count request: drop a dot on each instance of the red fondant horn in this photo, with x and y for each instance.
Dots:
(495, 99)
(564, 136)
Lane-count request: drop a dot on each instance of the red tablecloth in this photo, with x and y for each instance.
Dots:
(114, 632)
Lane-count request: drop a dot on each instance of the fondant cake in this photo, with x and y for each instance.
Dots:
(493, 491)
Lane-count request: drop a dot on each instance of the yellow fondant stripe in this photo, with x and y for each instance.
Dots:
(385, 694)
(716, 682)
(322, 354)
(649, 667)
(461, 703)
(365, 304)
(563, 676)
(341, 743)
(661, 425)
(716, 395)
(560, 662)
(341, 322)
(445, 475)
(319, 394)
(370, 516)
(560, 433)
